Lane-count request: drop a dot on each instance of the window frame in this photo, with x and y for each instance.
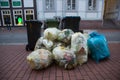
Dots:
(66, 5)
(29, 13)
(17, 14)
(5, 6)
(6, 14)
(50, 9)
(92, 10)
(17, 6)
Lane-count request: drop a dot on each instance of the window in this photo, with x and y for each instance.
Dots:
(0, 21)
(29, 14)
(49, 5)
(18, 18)
(71, 5)
(92, 5)
(16, 3)
(28, 3)
(4, 4)
(6, 14)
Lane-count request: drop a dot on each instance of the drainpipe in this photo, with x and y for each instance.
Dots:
(103, 11)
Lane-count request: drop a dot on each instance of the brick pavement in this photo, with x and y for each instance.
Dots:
(99, 25)
(13, 66)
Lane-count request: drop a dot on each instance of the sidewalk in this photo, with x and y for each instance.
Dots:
(13, 64)
(19, 35)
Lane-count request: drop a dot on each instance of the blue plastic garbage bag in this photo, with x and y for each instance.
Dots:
(98, 46)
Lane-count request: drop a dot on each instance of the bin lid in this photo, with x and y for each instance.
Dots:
(71, 18)
(33, 21)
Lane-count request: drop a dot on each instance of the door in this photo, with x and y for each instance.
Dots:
(111, 9)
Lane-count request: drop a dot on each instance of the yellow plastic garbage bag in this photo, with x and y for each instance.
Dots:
(79, 46)
(64, 57)
(39, 59)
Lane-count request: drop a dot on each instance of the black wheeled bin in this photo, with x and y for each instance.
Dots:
(33, 33)
(71, 22)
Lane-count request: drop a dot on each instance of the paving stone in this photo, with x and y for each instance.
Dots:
(16, 67)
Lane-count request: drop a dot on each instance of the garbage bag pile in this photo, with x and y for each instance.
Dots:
(66, 48)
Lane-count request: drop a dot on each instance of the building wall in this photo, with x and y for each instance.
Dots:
(112, 9)
(119, 11)
(39, 13)
(80, 11)
(25, 9)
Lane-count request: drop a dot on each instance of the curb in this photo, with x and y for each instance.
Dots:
(13, 43)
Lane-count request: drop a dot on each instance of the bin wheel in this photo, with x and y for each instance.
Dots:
(27, 48)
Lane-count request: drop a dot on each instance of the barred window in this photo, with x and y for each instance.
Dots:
(18, 17)
(71, 5)
(29, 14)
(49, 5)
(92, 5)
(6, 15)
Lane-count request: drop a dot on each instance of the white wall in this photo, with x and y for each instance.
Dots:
(90, 15)
(119, 11)
(40, 13)
(82, 9)
(119, 15)
(100, 9)
(60, 10)
(28, 3)
(71, 14)
(49, 15)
